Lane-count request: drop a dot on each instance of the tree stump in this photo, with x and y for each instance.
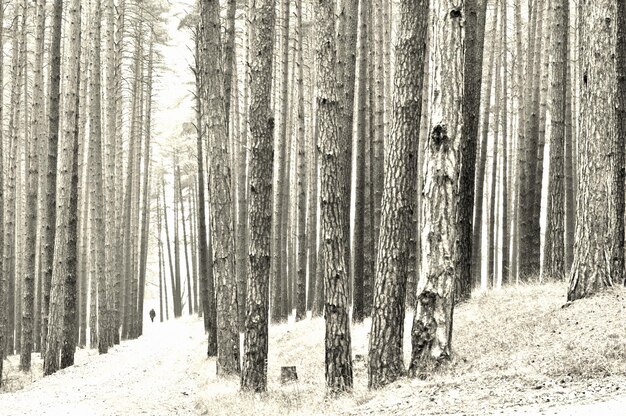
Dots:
(288, 374)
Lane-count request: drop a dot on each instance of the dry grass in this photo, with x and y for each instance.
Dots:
(516, 340)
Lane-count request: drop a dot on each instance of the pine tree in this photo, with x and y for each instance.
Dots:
(254, 370)
(398, 204)
(60, 337)
(431, 334)
(597, 214)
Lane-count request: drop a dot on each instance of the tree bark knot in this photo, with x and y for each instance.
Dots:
(439, 138)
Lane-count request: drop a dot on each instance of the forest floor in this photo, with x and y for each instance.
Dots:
(516, 351)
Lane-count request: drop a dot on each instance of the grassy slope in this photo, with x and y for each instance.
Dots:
(518, 346)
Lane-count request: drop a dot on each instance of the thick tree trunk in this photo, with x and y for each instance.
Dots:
(620, 114)
(63, 293)
(338, 344)
(398, 204)
(431, 335)
(3, 280)
(254, 369)
(219, 192)
(597, 214)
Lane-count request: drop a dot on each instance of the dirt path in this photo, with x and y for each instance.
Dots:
(155, 375)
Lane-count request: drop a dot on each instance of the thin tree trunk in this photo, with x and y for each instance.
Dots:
(145, 212)
(48, 227)
(475, 12)
(554, 254)
(32, 179)
(181, 199)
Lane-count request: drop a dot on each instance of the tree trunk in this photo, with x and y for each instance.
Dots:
(219, 192)
(97, 190)
(48, 227)
(331, 145)
(63, 293)
(398, 204)
(555, 234)
(475, 12)
(431, 335)
(185, 246)
(481, 163)
(145, 212)
(206, 275)
(620, 113)
(254, 369)
(3, 279)
(362, 137)
(32, 183)
(594, 264)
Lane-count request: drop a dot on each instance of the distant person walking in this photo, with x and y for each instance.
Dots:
(152, 314)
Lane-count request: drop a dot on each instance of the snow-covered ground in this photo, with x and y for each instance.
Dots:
(156, 374)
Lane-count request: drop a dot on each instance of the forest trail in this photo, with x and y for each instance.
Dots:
(156, 374)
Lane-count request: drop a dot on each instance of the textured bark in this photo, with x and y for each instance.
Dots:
(3, 279)
(620, 113)
(520, 137)
(9, 250)
(32, 188)
(119, 167)
(254, 369)
(301, 173)
(48, 227)
(241, 225)
(206, 276)
(362, 137)
(481, 162)
(96, 182)
(346, 57)
(554, 254)
(594, 265)
(111, 192)
(475, 12)
(338, 343)
(219, 192)
(398, 204)
(278, 289)
(378, 119)
(63, 293)
(529, 260)
(431, 335)
(570, 140)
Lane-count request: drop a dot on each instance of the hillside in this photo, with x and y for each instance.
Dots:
(514, 349)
